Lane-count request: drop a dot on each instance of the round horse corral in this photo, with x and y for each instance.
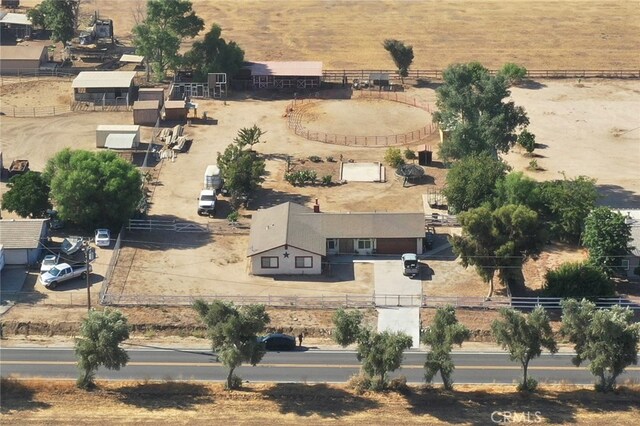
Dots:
(368, 119)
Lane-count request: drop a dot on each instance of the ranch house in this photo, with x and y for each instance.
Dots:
(286, 75)
(293, 239)
(106, 87)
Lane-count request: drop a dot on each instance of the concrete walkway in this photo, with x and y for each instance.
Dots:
(402, 312)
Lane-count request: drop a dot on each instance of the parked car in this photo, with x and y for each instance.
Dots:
(279, 342)
(49, 262)
(70, 245)
(103, 237)
(63, 272)
(410, 265)
(207, 202)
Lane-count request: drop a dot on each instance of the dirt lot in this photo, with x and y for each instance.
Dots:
(549, 34)
(39, 402)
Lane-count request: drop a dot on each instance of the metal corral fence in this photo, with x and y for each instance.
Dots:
(112, 265)
(296, 111)
(42, 111)
(349, 75)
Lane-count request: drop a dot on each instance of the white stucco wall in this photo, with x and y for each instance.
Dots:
(286, 265)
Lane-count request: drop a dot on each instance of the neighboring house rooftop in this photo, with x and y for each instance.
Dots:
(103, 79)
(287, 69)
(21, 233)
(633, 219)
(298, 226)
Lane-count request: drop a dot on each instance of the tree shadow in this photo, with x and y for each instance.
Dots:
(17, 396)
(531, 85)
(166, 395)
(477, 407)
(617, 196)
(422, 83)
(320, 399)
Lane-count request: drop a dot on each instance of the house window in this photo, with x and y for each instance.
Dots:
(332, 244)
(364, 244)
(625, 264)
(304, 262)
(269, 262)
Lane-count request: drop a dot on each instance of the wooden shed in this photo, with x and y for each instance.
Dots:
(104, 130)
(151, 94)
(175, 110)
(146, 113)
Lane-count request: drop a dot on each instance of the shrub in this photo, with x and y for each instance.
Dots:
(399, 384)
(360, 383)
(530, 386)
(514, 73)
(409, 154)
(330, 159)
(233, 216)
(393, 157)
(315, 159)
(301, 177)
(326, 180)
(527, 140)
(236, 383)
(577, 281)
(533, 165)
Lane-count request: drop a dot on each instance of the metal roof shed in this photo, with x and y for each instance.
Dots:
(286, 74)
(121, 141)
(104, 86)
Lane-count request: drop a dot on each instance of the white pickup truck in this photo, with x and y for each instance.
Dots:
(62, 272)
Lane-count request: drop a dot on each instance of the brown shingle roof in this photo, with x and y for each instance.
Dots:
(298, 226)
(21, 233)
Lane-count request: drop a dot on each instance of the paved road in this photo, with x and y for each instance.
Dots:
(298, 366)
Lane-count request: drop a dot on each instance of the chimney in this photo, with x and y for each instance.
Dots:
(316, 207)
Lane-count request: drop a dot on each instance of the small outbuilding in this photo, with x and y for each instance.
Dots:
(22, 240)
(146, 113)
(15, 25)
(175, 110)
(108, 87)
(22, 58)
(151, 94)
(379, 79)
(286, 75)
(104, 131)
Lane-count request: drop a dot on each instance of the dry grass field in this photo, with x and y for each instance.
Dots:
(40, 402)
(547, 34)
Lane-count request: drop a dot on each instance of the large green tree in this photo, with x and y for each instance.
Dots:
(401, 54)
(243, 170)
(607, 338)
(444, 332)
(516, 188)
(499, 240)
(379, 352)
(27, 195)
(60, 16)
(524, 337)
(93, 189)
(214, 55)
(607, 235)
(473, 112)
(577, 280)
(234, 333)
(159, 36)
(99, 344)
(565, 204)
(472, 181)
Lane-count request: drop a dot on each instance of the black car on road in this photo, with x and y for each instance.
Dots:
(279, 342)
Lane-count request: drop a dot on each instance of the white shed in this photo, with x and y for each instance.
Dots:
(104, 130)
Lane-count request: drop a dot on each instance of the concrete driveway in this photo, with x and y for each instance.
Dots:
(398, 299)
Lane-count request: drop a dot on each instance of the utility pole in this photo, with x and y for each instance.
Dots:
(89, 255)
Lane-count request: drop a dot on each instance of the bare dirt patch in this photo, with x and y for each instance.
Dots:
(46, 402)
(42, 92)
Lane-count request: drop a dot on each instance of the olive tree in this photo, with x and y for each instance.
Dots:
(524, 337)
(379, 352)
(234, 334)
(606, 235)
(444, 332)
(607, 338)
(99, 344)
(401, 54)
